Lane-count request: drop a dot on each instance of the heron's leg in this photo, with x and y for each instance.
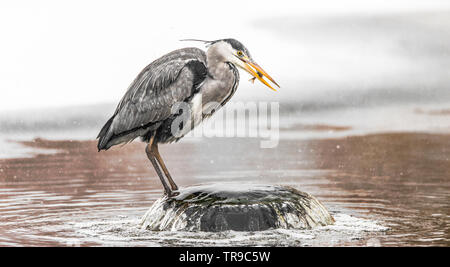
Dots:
(151, 157)
(163, 166)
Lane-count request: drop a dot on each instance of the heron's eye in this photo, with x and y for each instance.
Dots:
(240, 53)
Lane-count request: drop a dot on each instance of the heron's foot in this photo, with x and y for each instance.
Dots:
(171, 193)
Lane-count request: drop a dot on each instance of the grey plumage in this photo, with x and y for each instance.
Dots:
(148, 100)
(145, 109)
(150, 109)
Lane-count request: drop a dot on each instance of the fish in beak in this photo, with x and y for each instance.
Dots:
(257, 72)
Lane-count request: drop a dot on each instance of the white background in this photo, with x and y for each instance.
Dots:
(58, 53)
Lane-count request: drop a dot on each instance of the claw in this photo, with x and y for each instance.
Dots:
(171, 194)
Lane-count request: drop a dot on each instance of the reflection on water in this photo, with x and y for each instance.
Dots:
(385, 189)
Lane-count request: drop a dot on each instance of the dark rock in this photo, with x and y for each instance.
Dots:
(238, 207)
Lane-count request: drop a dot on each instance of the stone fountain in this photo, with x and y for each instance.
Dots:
(237, 207)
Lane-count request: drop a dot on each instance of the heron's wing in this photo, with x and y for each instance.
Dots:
(149, 99)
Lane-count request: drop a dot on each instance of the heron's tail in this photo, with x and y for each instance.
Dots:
(104, 135)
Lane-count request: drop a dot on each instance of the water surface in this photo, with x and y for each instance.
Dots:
(385, 179)
(80, 197)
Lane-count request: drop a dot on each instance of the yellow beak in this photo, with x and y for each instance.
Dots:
(257, 72)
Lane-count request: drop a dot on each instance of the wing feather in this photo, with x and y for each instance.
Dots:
(150, 97)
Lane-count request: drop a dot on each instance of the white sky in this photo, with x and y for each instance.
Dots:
(57, 53)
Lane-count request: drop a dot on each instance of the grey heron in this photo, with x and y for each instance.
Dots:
(188, 75)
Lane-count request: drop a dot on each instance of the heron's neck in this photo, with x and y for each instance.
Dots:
(221, 81)
(218, 68)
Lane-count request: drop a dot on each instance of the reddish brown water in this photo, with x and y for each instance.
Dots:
(383, 189)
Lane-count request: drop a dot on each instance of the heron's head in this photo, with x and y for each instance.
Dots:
(234, 52)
